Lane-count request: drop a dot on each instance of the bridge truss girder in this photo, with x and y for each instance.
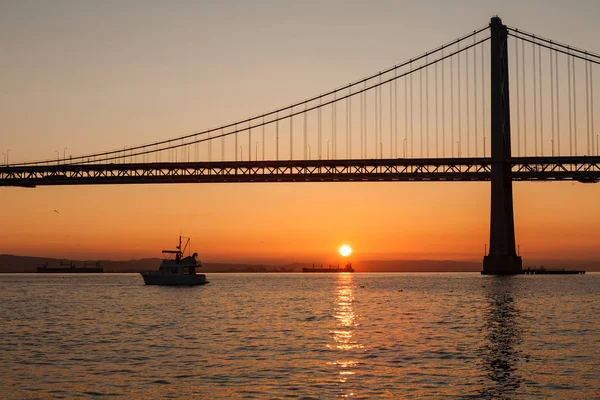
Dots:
(582, 169)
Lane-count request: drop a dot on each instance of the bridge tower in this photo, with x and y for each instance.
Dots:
(502, 258)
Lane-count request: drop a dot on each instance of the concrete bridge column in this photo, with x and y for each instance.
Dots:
(502, 258)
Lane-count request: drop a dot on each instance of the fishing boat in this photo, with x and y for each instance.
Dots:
(347, 268)
(175, 269)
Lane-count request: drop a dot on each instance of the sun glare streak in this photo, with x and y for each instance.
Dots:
(343, 334)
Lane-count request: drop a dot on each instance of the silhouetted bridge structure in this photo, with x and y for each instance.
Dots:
(582, 169)
(450, 129)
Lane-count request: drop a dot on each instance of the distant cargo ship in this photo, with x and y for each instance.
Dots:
(543, 271)
(347, 268)
(70, 268)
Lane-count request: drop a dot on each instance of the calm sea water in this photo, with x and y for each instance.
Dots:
(301, 336)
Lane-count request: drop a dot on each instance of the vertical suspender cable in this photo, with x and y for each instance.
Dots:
(411, 111)
(319, 112)
(250, 139)
(552, 100)
(380, 119)
(570, 104)
(541, 102)
(291, 136)
(209, 147)
(236, 143)
(391, 124)
(365, 121)
(518, 98)
(574, 109)
(483, 99)
(421, 110)
(475, 108)
(349, 126)
(404, 143)
(459, 104)
(557, 105)
(263, 138)
(305, 132)
(222, 146)
(349, 130)
(451, 107)
(427, 107)
(366, 145)
(366, 130)
(334, 122)
(396, 114)
(347, 134)
(362, 118)
(376, 120)
(587, 109)
(437, 154)
(592, 109)
(534, 74)
(524, 99)
(443, 110)
(468, 103)
(376, 91)
(276, 137)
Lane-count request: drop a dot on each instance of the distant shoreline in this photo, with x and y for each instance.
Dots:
(24, 264)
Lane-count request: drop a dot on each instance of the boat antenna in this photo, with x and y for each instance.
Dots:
(187, 242)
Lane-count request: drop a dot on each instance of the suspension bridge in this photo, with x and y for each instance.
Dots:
(442, 116)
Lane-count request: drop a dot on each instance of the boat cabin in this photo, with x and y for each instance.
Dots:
(174, 263)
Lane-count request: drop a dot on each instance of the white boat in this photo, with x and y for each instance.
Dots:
(176, 270)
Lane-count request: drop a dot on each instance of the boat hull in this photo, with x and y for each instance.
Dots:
(173, 280)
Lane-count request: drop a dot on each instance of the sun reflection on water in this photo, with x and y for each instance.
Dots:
(343, 334)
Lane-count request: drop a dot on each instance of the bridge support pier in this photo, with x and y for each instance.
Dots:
(502, 258)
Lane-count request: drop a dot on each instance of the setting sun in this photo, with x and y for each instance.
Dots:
(345, 250)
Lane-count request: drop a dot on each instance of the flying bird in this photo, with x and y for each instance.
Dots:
(56, 211)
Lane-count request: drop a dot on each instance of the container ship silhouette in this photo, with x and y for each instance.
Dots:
(70, 268)
(331, 268)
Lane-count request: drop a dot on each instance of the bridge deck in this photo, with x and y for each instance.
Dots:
(581, 168)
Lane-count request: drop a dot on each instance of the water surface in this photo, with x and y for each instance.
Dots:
(301, 336)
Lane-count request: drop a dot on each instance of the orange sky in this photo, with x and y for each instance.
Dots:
(304, 222)
(103, 76)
